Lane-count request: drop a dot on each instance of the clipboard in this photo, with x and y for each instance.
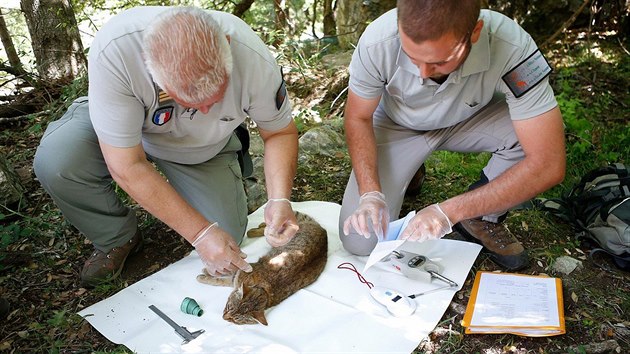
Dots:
(525, 305)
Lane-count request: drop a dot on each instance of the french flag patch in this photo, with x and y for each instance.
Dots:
(162, 115)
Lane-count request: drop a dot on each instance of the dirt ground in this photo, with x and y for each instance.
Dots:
(39, 275)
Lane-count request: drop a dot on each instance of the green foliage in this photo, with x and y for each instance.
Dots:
(59, 319)
(595, 136)
(580, 350)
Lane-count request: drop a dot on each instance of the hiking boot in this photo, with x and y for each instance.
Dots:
(102, 267)
(4, 308)
(504, 249)
(415, 185)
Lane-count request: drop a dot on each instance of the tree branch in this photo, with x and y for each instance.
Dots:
(566, 24)
(242, 7)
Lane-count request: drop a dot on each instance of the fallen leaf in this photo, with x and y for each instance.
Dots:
(525, 226)
(567, 251)
(540, 264)
(574, 297)
(5, 345)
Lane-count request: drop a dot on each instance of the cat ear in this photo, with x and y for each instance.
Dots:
(260, 317)
(246, 289)
(241, 291)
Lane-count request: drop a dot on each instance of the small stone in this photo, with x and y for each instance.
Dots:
(609, 346)
(566, 265)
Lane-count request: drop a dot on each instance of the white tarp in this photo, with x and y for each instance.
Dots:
(334, 314)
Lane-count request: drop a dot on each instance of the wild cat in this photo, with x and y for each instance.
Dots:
(277, 275)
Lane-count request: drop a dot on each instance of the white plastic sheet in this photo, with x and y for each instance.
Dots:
(335, 314)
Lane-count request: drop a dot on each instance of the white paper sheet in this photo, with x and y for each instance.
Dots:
(515, 300)
(334, 314)
(390, 242)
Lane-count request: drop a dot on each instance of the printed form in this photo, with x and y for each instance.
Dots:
(515, 303)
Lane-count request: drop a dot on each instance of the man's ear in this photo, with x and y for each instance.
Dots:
(474, 37)
(228, 37)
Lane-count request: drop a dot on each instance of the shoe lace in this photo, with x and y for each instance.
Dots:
(498, 233)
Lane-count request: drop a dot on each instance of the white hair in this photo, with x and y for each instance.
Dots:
(187, 53)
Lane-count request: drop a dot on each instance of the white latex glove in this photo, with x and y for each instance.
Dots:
(429, 223)
(372, 207)
(219, 252)
(281, 222)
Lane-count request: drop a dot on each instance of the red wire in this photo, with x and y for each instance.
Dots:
(350, 266)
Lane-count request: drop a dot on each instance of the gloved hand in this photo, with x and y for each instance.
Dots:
(219, 252)
(372, 206)
(281, 222)
(428, 224)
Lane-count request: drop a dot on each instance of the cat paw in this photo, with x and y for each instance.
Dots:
(206, 278)
(257, 232)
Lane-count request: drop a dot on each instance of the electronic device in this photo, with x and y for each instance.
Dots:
(415, 266)
(396, 303)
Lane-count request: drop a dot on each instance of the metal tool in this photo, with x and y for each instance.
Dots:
(434, 271)
(434, 274)
(430, 291)
(181, 330)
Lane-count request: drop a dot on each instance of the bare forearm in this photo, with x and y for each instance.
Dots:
(362, 149)
(149, 189)
(522, 182)
(361, 141)
(542, 140)
(280, 162)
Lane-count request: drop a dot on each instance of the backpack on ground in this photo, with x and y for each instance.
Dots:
(598, 206)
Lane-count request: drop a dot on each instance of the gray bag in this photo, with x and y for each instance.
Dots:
(599, 208)
(610, 229)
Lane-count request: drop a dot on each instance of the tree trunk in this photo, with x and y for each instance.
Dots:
(11, 189)
(353, 16)
(330, 29)
(55, 39)
(9, 48)
(281, 22)
(242, 7)
(281, 15)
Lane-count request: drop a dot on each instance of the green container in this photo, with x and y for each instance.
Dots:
(191, 307)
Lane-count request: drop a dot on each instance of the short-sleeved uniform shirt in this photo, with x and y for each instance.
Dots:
(380, 68)
(127, 108)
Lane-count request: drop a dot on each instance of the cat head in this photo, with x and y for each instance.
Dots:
(246, 305)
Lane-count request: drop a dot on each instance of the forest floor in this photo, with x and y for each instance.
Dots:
(41, 254)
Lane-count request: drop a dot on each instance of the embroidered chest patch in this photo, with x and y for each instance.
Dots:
(162, 115)
(527, 74)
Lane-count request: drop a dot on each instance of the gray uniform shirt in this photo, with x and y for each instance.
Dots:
(127, 107)
(380, 68)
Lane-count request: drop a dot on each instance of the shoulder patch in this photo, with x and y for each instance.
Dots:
(524, 76)
(281, 95)
(162, 115)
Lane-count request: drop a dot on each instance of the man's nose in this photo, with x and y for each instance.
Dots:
(205, 109)
(426, 70)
